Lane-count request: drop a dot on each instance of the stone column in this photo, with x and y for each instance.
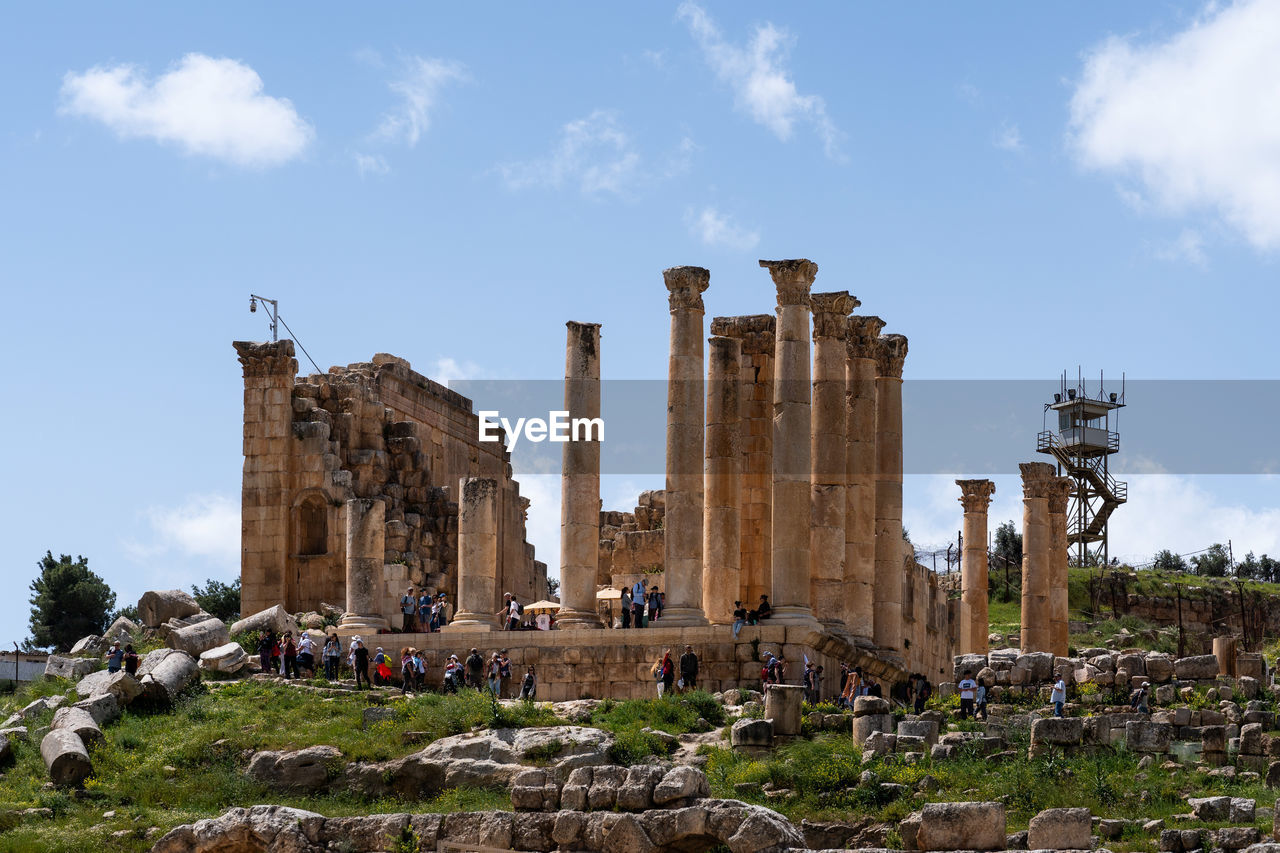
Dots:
(682, 536)
(721, 531)
(827, 455)
(1037, 482)
(792, 433)
(366, 552)
(580, 483)
(1059, 608)
(756, 334)
(858, 596)
(477, 556)
(975, 496)
(891, 352)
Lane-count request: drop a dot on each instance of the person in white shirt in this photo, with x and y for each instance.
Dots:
(1059, 696)
(968, 687)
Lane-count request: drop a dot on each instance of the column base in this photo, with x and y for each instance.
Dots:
(471, 622)
(365, 624)
(573, 620)
(785, 614)
(682, 617)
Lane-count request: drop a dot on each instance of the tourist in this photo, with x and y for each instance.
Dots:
(809, 680)
(425, 602)
(689, 669)
(763, 610)
(265, 642)
(668, 673)
(514, 612)
(874, 689)
(130, 660)
(277, 656)
(434, 625)
(408, 604)
(626, 607)
(306, 655)
(967, 689)
(452, 675)
(360, 663)
(475, 669)
(655, 604)
(407, 676)
(637, 605)
(419, 669)
(115, 657)
(739, 618)
(852, 685)
(494, 673)
(529, 686)
(924, 690)
(1138, 700)
(382, 667)
(1058, 696)
(446, 610)
(505, 663)
(771, 672)
(980, 702)
(332, 649)
(290, 650)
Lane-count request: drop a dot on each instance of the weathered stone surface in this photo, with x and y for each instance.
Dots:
(1060, 829)
(200, 637)
(927, 730)
(1198, 667)
(230, 657)
(751, 733)
(605, 782)
(1159, 667)
(275, 619)
(92, 645)
(411, 777)
(68, 667)
(77, 720)
(1057, 731)
(1241, 810)
(65, 757)
(1148, 737)
(159, 606)
(865, 706)
(121, 685)
(961, 826)
(276, 828)
(1238, 837)
(303, 770)
(636, 793)
(104, 707)
(681, 784)
(864, 727)
(1210, 808)
(124, 630)
(172, 675)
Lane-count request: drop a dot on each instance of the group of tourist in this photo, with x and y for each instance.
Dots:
(664, 672)
(118, 658)
(973, 697)
(426, 613)
(854, 683)
(290, 657)
(641, 607)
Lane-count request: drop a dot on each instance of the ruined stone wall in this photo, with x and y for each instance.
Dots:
(631, 543)
(369, 430)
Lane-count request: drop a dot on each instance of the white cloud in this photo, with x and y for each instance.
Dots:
(593, 153)
(371, 164)
(185, 544)
(1188, 247)
(760, 80)
(716, 229)
(1008, 137)
(210, 107)
(1193, 120)
(419, 90)
(448, 370)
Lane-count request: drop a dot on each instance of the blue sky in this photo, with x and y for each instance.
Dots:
(452, 184)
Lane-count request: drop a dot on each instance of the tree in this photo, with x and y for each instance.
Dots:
(553, 586)
(1168, 561)
(220, 599)
(1249, 568)
(1006, 557)
(1213, 563)
(68, 602)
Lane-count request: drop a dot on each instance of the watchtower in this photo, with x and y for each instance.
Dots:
(1086, 436)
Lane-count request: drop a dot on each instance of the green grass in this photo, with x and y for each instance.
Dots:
(674, 715)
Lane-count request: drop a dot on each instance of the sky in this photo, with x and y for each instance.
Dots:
(1021, 189)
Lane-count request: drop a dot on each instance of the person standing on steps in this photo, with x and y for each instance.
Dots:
(475, 670)
(332, 650)
(115, 657)
(130, 660)
(1058, 696)
(968, 688)
(689, 668)
(924, 690)
(637, 604)
(625, 603)
(361, 665)
(529, 687)
(980, 702)
(655, 603)
(408, 605)
(739, 618)
(504, 664)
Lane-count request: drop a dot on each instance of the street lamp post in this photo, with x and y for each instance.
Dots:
(254, 299)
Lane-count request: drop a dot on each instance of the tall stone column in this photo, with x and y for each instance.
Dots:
(858, 596)
(366, 552)
(682, 536)
(891, 352)
(827, 456)
(721, 532)
(580, 483)
(792, 433)
(1037, 485)
(1059, 607)
(756, 333)
(975, 496)
(477, 556)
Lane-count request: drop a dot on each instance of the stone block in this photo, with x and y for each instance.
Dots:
(1196, 668)
(926, 730)
(1057, 731)
(961, 826)
(58, 666)
(1148, 737)
(1060, 829)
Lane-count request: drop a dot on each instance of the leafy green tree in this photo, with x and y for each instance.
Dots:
(1249, 568)
(1168, 561)
(1213, 563)
(68, 602)
(1008, 547)
(220, 599)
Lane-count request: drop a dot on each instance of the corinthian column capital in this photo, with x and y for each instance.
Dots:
(793, 279)
(831, 313)
(1037, 479)
(1059, 492)
(863, 335)
(891, 353)
(975, 495)
(685, 286)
